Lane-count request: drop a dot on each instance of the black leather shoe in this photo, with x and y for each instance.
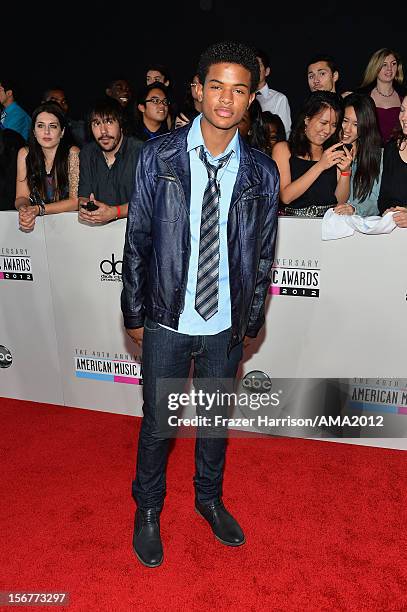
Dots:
(146, 537)
(226, 529)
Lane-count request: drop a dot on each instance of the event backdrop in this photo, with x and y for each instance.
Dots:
(336, 311)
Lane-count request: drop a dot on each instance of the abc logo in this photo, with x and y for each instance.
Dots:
(112, 266)
(257, 381)
(5, 357)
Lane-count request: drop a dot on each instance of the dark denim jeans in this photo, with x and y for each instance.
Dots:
(168, 355)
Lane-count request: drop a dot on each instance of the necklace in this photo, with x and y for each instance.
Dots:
(385, 95)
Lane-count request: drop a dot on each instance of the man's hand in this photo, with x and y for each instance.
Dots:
(103, 214)
(136, 335)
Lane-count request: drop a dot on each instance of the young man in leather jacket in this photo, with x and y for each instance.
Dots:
(199, 247)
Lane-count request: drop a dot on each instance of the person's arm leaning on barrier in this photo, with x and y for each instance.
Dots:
(27, 210)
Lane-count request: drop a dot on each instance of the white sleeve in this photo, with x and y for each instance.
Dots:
(283, 111)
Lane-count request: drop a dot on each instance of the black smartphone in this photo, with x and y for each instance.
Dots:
(89, 206)
(347, 145)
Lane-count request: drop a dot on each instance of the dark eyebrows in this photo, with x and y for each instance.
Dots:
(234, 85)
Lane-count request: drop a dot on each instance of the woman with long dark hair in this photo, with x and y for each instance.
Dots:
(275, 128)
(261, 129)
(393, 189)
(48, 169)
(360, 132)
(314, 166)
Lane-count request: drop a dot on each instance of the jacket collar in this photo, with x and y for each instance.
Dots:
(173, 151)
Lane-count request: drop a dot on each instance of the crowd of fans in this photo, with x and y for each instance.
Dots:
(346, 150)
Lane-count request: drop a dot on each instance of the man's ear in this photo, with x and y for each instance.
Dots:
(108, 92)
(251, 98)
(199, 91)
(141, 108)
(267, 72)
(335, 76)
(166, 83)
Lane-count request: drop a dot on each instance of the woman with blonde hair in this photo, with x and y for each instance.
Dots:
(48, 169)
(383, 81)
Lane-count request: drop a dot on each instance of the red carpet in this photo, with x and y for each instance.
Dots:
(325, 523)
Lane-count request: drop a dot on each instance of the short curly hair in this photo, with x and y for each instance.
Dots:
(230, 52)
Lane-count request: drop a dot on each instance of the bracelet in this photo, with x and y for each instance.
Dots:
(345, 173)
(41, 209)
(118, 212)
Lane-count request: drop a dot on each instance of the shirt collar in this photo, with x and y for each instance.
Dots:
(264, 90)
(10, 107)
(195, 140)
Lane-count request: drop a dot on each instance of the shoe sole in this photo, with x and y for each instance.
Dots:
(217, 537)
(148, 564)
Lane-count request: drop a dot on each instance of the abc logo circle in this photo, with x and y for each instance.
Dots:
(5, 357)
(257, 381)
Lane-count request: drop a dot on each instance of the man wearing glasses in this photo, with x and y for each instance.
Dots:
(152, 112)
(199, 247)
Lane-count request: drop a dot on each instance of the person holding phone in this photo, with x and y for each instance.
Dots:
(47, 169)
(314, 166)
(360, 134)
(107, 165)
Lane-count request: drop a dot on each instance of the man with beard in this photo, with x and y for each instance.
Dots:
(107, 165)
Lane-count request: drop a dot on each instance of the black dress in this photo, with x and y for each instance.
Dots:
(322, 190)
(393, 187)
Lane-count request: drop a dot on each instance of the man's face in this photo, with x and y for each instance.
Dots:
(120, 91)
(155, 76)
(107, 132)
(155, 107)
(321, 77)
(58, 96)
(264, 72)
(225, 95)
(3, 94)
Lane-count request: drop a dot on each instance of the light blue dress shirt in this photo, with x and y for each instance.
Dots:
(190, 322)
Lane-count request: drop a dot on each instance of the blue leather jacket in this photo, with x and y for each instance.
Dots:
(157, 247)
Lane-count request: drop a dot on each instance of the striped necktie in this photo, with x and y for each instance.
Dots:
(207, 286)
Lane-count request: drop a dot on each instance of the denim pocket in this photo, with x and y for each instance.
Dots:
(151, 325)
